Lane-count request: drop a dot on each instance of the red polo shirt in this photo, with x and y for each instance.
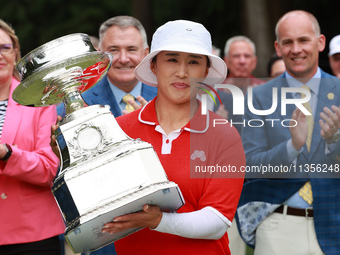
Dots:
(189, 156)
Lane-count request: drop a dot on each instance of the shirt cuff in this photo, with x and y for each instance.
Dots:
(201, 224)
(292, 154)
(330, 147)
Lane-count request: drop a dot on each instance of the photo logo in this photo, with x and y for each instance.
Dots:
(211, 95)
(240, 100)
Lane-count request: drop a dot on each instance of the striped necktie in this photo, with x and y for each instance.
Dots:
(306, 191)
(128, 106)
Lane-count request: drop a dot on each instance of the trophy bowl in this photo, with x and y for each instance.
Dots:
(59, 71)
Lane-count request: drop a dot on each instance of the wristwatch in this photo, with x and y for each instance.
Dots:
(9, 152)
(335, 138)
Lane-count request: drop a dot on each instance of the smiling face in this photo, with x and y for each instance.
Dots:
(7, 61)
(299, 45)
(128, 51)
(174, 71)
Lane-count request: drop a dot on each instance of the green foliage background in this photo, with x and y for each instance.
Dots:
(39, 21)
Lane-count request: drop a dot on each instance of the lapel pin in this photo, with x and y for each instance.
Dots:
(330, 96)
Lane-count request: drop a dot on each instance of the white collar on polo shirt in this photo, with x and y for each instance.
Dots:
(185, 128)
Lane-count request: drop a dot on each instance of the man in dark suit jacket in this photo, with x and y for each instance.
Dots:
(102, 94)
(272, 215)
(125, 38)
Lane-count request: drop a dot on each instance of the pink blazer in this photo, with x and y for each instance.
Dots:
(28, 210)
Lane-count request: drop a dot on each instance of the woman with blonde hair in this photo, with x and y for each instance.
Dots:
(30, 219)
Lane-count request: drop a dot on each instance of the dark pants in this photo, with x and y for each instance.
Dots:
(50, 246)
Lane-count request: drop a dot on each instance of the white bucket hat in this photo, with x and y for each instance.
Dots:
(334, 46)
(181, 36)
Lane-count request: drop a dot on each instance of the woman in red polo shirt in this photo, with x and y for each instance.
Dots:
(189, 146)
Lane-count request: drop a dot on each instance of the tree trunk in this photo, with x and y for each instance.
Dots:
(142, 10)
(257, 28)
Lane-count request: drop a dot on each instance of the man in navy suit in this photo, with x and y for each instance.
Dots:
(126, 39)
(276, 215)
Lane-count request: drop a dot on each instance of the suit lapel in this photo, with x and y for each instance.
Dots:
(282, 83)
(148, 92)
(327, 87)
(104, 95)
(109, 99)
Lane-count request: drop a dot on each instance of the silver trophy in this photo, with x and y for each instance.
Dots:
(103, 172)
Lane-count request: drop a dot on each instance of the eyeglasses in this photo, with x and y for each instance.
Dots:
(6, 48)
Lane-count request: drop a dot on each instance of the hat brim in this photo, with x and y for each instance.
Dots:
(217, 70)
(333, 52)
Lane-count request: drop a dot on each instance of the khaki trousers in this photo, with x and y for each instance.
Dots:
(282, 234)
(236, 244)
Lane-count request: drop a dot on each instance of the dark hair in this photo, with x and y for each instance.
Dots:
(271, 61)
(208, 62)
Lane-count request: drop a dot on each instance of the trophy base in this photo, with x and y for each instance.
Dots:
(108, 174)
(87, 236)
